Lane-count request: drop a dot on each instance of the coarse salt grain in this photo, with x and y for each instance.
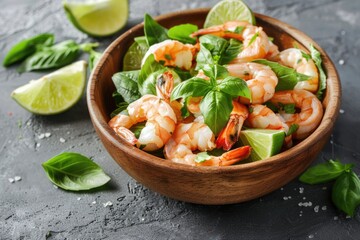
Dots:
(108, 203)
(79, 198)
(11, 180)
(324, 208)
(341, 111)
(304, 198)
(62, 140)
(47, 134)
(324, 188)
(285, 198)
(38, 144)
(316, 208)
(336, 218)
(311, 236)
(341, 61)
(17, 178)
(94, 202)
(301, 190)
(41, 136)
(55, 186)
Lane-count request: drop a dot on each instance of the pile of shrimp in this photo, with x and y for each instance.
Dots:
(182, 139)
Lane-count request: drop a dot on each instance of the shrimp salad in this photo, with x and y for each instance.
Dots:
(186, 94)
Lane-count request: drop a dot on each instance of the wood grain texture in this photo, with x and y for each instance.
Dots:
(209, 185)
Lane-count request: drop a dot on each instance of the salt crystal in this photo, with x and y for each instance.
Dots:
(94, 202)
(310, 204)
(17, 178)
(108, 203)
(62, 140)
(285, 198)
(341, 111)
(281, 189)
(341, 61)
(79, 198)
(336, 218)
(316, 208)
(347, 216)
(304, 198)
(41, 136)
(38, 144)
(300, 215)
(142, 219)
(300, 204)
(55, 186)
(331, 142)
(47, 134)
(323, 208)
(11, 180)
(68, 132)
(311, 236)
(289, 197)
(301, 190)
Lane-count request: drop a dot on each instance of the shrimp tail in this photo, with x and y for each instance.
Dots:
(235, 155)
(128, 135)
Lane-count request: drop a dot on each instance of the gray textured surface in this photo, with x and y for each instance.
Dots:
(33, 209)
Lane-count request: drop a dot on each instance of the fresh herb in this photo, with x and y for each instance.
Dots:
(293, 128)
(182, 33)
(126, 85)
(137, 128)
(239, 29)
(287, 77)
(305, 55)
(55, 56)
(316, 57)
(288, 108)
(346, 190)
(94, 58)
(27, 47)
(216, 104)
(253, 38)
(154, 32)
(148, 75)
(75, 172)
(121, 107)
(202, 157)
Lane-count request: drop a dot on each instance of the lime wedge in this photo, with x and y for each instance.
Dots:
(97, 17)
(134, 55)
(229, 10)
(265, 143)
(55, 92)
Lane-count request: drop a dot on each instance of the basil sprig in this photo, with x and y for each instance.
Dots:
(27, 47)
(346, 190)
(75, 172)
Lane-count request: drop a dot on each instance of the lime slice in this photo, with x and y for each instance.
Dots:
(97, 17)
(55, 92)
(134, 55)
(229, 10)
(265, 143)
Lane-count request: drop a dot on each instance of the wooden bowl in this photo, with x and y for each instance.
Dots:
(208, 185)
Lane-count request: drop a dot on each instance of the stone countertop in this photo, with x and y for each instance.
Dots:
(34, 209)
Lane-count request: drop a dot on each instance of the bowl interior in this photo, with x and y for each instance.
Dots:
(100, 89)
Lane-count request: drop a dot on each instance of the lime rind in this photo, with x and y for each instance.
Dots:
(264, 142)
(98, 18)
(229, 10)
(134, 56)
(55, 92)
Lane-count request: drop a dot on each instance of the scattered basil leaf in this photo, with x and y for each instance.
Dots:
(346, 192)
(75, 172)
(316, 57)
(126, 85)
(88, 47)
(184, 110)
(194, 87)
(121, 107)
(149, 85)
(324, 172)
(235, 87)
(56, 56)
(216, 108)
(288, 77)
(26, 47)
(292, 129)
(182, 33)
(154, 32)
(202, 157)
(94, 58)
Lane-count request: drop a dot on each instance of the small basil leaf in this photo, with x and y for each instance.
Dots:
(150, 66)
(231, 52)
(154, 32)
(182, 33)
(94, 58)
(183, 74)
(216, 45)
(194, 87)
(324, 172)
(126, 85)
(293, 128)
(235, 87)
(120, 107)
(202, 157)
(55, 56)
(25, 48)
(288, 77)
(216, 108)
(289, 108)
(346, 192)
(316, 57)
(75, 172)
(203, 57)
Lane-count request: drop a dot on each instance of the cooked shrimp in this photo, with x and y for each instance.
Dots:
(264, 118)
(310, 114)
(172, 53)
(198, 136)
(160, 122)
(260, 79)
(293, 57)
(256, 44)
(230, 134)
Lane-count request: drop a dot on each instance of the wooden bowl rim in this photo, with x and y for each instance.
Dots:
(331, 110)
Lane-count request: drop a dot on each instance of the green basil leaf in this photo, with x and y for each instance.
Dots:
(231, 52)
(126, 85)
(154, 32)
(216, 108)
(122, 106)
(324, 172)
(94, 58)
(137, 128)
(253, 38)
(194, 87)
(75, 172)
(316, 57)
(216, 45)
(184, 110)
(26, 47)
(88, 47)
(235, 87)
(150, 66)
(183, 74)
(55, 56)
(293, 128)
(288, 77)
(346, 192)
(149, 85)
(204, 57)
(182, 33)
(289, 108)
(202, 157)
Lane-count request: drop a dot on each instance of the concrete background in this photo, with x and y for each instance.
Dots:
(33, 209)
